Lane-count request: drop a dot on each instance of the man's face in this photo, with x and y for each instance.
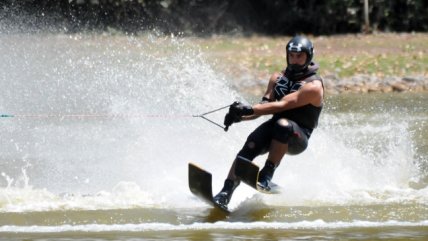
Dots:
(298, 58)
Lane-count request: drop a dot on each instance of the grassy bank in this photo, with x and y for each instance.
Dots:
(250, 60)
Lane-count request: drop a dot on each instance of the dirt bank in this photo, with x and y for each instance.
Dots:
(384, 62)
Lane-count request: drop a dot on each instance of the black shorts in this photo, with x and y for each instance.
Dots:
(259, 140)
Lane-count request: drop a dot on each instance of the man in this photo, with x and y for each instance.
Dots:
(295, 98)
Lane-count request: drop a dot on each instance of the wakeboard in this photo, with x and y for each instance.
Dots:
(248, 172)
(200, 184)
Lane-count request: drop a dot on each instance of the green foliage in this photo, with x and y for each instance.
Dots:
(205, 17)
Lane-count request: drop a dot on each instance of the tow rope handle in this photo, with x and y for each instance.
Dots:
(225, 128)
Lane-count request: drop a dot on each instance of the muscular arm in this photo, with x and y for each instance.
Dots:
(310, 93)
(268, 94)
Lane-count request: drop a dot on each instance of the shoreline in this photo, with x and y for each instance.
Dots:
(363, 84)
(382, 62)
(374, 84)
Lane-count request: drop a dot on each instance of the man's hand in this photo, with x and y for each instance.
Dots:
(239, 109)
(236, 111)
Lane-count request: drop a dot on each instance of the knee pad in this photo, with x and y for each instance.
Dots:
(252, 149)
(283, 131)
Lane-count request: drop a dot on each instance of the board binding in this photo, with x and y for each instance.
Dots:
(248, 172)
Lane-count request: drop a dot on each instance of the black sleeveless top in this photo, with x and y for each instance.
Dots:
(305, 116)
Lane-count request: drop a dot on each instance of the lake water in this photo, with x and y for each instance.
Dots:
(97, 131)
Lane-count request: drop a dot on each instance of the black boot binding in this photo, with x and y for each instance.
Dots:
(266, 174)
(224, 196)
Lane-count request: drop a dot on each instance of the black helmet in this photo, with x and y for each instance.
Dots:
(300, 44)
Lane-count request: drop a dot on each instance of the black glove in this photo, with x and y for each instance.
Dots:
(239, 109)
(229, 120)
(236, 111)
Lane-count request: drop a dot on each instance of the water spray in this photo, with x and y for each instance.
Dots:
(203, 116)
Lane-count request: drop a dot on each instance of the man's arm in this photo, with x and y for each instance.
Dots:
(272, 82)
(268, 94)
(310, 93)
